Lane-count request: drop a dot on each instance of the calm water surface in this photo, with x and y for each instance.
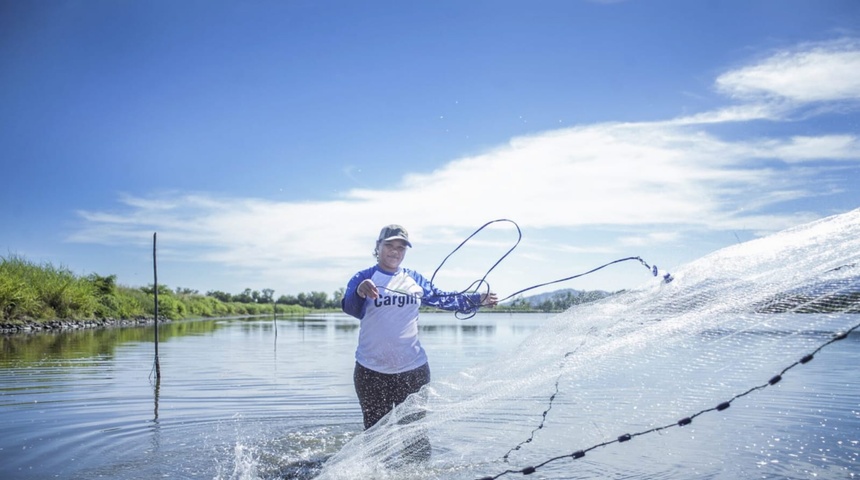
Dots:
(247, 399)
(238, 398)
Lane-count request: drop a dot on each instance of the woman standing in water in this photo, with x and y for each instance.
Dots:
(390, 363)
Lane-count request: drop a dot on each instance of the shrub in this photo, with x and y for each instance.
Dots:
(16, 300)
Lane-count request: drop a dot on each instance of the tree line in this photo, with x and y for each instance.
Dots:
(315, 299)
(558, 302)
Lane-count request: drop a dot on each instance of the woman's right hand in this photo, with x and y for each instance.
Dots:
(367, 289)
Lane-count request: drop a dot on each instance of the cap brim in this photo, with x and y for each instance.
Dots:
(396, 237)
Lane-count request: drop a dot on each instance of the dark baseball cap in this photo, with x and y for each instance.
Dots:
(394, 232)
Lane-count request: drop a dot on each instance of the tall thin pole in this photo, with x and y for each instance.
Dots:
(155, 292)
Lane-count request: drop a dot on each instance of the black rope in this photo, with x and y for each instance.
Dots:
(551, 400)
(666, 277)
(483, 280)
(682, 422)
(482, 284)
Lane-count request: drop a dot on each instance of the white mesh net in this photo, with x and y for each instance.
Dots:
(631, 363)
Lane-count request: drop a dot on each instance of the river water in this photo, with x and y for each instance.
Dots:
(243, 399)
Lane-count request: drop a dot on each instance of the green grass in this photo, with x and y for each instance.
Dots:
(43, 292)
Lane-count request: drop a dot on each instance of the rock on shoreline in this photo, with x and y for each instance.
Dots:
(32, 326)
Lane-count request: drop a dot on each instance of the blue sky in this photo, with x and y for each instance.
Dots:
(267, 142)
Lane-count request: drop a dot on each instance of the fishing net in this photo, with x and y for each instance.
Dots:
(640, 383)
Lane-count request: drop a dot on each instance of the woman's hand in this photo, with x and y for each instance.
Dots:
(367, 289)
(489, 300)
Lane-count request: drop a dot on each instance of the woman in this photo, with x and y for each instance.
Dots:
(390, 362)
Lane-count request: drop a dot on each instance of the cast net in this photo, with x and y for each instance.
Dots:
(639, 383)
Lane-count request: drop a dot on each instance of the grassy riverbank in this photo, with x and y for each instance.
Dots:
(44, 292)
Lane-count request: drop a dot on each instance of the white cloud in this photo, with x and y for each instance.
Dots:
(736, 113)
(804, 148)
(813, 73)
(655, 180)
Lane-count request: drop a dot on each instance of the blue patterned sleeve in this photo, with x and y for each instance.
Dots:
(466, 303)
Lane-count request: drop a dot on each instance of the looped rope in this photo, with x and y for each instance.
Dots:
(481, 285)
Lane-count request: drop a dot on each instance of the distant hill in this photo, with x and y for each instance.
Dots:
(559, 299)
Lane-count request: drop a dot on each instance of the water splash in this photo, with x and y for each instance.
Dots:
(296, 455)
(243, 465)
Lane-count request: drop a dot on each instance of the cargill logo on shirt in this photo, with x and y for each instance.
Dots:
(395, 300)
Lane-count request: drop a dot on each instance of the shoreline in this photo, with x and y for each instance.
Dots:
(48, 326)
(16, 327)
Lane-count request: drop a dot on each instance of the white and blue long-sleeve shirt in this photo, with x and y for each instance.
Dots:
(388, 335)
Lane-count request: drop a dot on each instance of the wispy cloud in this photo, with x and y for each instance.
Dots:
(655, 177)
(822, 72)
(804, 148)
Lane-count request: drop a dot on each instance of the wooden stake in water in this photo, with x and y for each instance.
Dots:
(155, 292)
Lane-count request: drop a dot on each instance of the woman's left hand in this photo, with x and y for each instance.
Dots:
(489, 300)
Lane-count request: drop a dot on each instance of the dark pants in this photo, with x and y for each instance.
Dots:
(378, 393)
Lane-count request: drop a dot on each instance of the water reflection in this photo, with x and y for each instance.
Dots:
(155, 392)
(89, 343)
